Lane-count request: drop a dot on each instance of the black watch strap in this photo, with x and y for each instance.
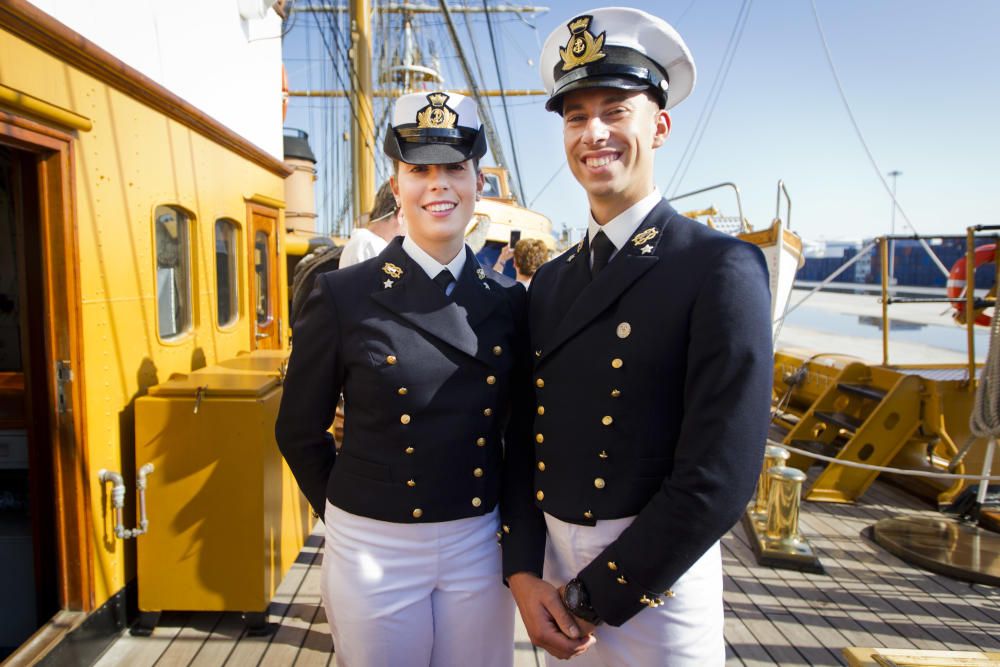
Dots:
(577, 601)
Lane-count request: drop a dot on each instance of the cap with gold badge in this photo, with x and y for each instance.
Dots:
(435, 128)
(617, 47)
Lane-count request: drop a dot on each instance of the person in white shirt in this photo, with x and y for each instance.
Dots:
(386, 222)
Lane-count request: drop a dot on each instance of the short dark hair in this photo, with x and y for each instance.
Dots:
(385, 203)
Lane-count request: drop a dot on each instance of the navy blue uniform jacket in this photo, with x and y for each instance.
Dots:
(652, 386)
(426, 380)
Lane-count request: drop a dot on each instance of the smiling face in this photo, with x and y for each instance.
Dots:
(437, 201)
(609, 136)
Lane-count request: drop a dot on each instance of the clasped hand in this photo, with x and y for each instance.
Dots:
(549, 624)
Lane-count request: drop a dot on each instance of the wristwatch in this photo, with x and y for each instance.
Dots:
(577, 600)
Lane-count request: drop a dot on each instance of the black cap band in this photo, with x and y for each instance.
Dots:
(622, 67)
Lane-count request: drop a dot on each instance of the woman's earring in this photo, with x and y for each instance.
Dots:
(479, 195)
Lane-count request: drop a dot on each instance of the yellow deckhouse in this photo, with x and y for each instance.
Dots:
(141, 237)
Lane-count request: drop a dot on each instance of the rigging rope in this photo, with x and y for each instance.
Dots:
(871, 158)
(713, 97)
(503, 98)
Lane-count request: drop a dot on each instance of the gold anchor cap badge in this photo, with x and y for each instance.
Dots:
(437, 115)
(583, 47)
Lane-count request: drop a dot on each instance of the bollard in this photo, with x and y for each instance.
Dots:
(773, 456)
(783, 506)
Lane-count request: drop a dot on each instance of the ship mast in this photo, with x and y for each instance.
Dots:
(363, 120)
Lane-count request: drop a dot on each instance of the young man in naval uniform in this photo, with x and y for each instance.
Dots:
(651, 346)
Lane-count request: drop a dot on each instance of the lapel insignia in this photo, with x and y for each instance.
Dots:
(480, 273)
(579, 247)
(392, 270)
(583, 46)
(646, 249)
(388, 283)
(645, 236)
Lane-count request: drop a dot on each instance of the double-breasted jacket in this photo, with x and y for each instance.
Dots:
(426, 380)
(652, 386)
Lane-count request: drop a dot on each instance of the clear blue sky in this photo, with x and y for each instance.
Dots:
(921, 76)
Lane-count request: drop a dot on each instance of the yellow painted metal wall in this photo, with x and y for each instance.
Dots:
(132, 160)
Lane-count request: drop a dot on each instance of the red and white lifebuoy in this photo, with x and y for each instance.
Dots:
(985, 254)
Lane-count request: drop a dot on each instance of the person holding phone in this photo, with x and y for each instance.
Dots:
(528, 255)
(427, 347)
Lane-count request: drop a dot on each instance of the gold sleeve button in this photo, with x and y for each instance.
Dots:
(478, 472)
(481, 442)
(402, 391)
(539, 438)
(417, 513)
(588, 515)
(497, 350)
(617, 363)
(541, 466)
(404, 419)
(476, 502)
(540, 495)
(539, 383)
(411, 483)
(615, 393)
(607, 420)
(506, 529)
(622, 580)
(488, 412)
(391, 360)
(602, 455)
(613, 566)
(491, 379)
(599, 483)
(541, 410)
(409, 450)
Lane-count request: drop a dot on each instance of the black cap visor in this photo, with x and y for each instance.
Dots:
(622, 68)
(414, 145)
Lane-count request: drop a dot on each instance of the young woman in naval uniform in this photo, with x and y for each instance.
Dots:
(426, 346)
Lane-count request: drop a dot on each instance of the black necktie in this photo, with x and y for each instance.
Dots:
(444, 279)
(601, 250)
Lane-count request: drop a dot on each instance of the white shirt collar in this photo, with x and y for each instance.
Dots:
(431, 266)
(621, 228)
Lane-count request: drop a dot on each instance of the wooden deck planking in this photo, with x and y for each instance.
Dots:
(869, 598)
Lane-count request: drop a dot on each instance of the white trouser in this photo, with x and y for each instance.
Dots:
(686, 631)
(400, 594)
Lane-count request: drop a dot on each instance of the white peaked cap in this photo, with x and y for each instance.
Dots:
(435, 127)
(617, 47)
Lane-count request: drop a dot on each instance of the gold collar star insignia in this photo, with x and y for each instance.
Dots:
(583, 46)
(645, 236)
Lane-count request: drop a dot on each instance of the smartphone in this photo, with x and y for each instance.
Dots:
(515, 236)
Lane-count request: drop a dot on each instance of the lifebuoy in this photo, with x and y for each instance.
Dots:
(956, 284)
(284, 93)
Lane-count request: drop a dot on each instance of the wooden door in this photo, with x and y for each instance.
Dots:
(45, 515)
(265, 311)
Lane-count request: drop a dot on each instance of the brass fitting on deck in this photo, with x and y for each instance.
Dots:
(783, 501)
(773, 457)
